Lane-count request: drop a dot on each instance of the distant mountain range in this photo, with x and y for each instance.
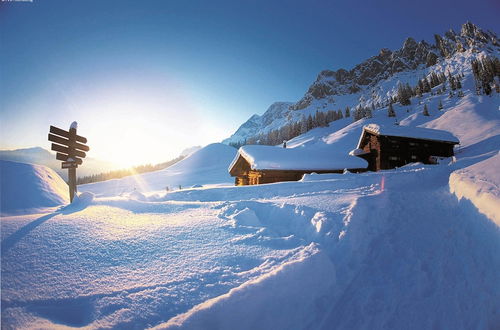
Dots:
(373, 81)
(41, 156)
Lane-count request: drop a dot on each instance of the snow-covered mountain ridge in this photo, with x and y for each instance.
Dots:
(374, 81)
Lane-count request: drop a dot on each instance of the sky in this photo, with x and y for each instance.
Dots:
(147, 79)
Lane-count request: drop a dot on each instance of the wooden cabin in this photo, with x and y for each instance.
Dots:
(257, 164)
(386, 147)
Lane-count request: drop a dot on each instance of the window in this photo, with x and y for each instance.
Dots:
(413, 157)
(393, 158)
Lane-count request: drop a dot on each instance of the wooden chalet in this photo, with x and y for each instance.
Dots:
(257, 164)
(386, 147)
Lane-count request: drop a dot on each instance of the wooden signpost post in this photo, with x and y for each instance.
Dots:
(70, 149)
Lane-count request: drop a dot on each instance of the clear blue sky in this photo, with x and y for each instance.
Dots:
(153, 77)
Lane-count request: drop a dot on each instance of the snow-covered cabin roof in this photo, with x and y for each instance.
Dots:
(410, 132)
(277, 158)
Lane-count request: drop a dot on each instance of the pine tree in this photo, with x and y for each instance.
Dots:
(440, 105)
(425, 112)
(426, 88)
(452, 82)
(310, 123)
(390, 111)
(347, 112)
(359, 113)
(404, 94)
(303, 126)
(487, 88)
(368, 113)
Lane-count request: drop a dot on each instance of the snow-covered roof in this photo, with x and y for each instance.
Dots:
(410, 132)
(277, 158)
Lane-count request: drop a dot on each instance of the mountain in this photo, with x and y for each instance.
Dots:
(275, 117)
(373, 82)
(41, 156)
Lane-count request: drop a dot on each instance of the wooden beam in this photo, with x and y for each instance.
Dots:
(66, 142)
(63, 133)
(67, 151)
(64, 158)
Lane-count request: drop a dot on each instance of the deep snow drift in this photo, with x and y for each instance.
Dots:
(480, 183)
(27, 187)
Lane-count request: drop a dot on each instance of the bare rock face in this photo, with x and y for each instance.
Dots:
(409, 57)
(431, 59)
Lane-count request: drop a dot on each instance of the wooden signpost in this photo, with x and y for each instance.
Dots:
(70, 149)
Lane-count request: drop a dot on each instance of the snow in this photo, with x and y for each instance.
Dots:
(416, 247)
(74, 125)
(295, 287)
(205, 166)
(29, 188)
(276, 158)
(411, 132)
(480, 183)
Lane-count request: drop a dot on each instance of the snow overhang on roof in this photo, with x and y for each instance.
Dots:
(358, 152)
(419, 133)
(295, 159)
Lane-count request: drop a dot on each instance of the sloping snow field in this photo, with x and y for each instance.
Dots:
(409, 248)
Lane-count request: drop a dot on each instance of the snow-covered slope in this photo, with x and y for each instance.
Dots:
(376, 79)
(28, 188)
(207, 165)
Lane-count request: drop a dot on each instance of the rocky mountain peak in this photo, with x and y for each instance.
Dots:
(364, 77)
(411, 55)
(385, 52)
(409, 43)
(472, 31)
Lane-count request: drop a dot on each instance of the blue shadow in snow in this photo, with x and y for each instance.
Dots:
(10, 241)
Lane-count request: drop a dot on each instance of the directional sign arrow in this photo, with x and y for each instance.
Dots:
(64, 157)
(68, 143)
(67, 151)
(66, 134)
(69, 165)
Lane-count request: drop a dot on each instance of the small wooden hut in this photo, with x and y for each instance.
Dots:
(257, 164)
(386, 147)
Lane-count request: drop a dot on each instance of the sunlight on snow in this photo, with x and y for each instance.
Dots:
(125, 224)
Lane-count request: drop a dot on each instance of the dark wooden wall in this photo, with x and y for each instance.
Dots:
(387, 152)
